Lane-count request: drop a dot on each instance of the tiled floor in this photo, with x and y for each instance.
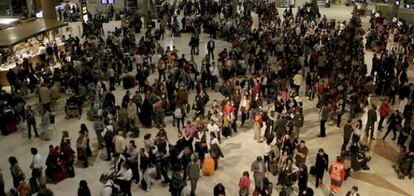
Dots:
(239, 151)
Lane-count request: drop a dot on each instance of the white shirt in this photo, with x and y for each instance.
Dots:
(215, 141)
(213, 128)
(37, 161)
(124, 174)
(267, 149)
(107, 190)
(213, 70)
(298, 79)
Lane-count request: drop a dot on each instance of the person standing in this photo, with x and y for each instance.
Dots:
(177, 184)
(44, 96)
(214, 129)
(348, 130)
(107, 188)
(81, 145)
(108, 136)
(83, 189)
(161, 69)
(325, 112)
(111, 75)
(215, 150)
(297, 81)
(36, 166)
(372, 118)
(124, 176)
(144, 166)
(337, 174)
(303, 178)
(244, 184)
(2, 193)
(193, 172)
(353, 191)
(119, 143)
(394, 124)
(210, 48)
(132, 158)
(16, 172)
(259, 169)
(258, 127)
(44, 125)
(300, 153)
(31, 121)
(298, 120)
(340, 110)
(384, 113)
(214, 73)
(244, 108)
(321, 164)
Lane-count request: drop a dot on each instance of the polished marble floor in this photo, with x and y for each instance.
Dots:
(239, 150)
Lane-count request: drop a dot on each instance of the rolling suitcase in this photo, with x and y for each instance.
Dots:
(208, 166)
(11, 127)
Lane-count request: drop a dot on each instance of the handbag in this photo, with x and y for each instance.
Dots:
(313, 171)
(188, 108)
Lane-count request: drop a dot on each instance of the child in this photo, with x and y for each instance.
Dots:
(244, 184)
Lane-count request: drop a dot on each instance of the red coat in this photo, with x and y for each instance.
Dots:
(385, 110)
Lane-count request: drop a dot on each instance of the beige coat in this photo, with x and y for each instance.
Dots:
(44, 95)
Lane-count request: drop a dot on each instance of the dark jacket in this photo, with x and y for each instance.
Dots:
(177, 183)
(321, 163)
(394, 120)
(84, 191)
(144, 163)
(348, 131)
(303, 179)
(372, 116)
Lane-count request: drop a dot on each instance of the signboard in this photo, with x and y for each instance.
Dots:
(107, 1)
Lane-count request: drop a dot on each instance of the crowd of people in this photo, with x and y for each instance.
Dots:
(261, 77)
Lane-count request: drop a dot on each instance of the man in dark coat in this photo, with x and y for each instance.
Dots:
(321, 164)
(372, 118)
(347, 133)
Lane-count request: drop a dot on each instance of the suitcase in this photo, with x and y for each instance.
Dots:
(208, 167)
(144, 185)
(11, 127)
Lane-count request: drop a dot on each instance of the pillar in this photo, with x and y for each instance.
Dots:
(48, 8)
(146, 12)
(234, 5)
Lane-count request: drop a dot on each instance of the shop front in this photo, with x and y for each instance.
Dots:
(26, 41)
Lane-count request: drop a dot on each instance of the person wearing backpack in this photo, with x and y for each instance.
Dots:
(177, 184)
(109, 188)
(108, 135)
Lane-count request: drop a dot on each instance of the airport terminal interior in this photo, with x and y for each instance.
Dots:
(256, 86)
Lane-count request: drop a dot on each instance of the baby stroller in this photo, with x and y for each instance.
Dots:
(359, 156)
(72, 108)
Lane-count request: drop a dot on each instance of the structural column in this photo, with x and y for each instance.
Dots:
(48, 8)
(146, 12)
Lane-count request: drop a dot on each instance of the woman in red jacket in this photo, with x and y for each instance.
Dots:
(244, 184)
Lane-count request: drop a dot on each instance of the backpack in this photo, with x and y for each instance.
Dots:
(177, 113)
(109, 135)
(144, 185)
(115, 189)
